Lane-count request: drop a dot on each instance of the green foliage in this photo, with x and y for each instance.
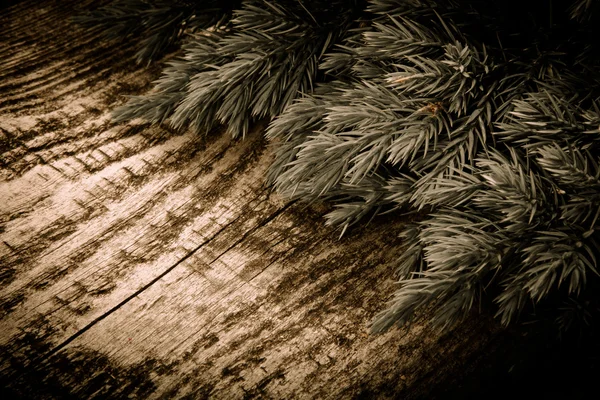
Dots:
(495, 144)
(484, 121)
(244, 69)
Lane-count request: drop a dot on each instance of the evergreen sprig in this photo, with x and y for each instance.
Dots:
(246, 69)
(483, 120)
(472, 133)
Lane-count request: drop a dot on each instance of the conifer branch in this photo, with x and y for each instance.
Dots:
(484, 121)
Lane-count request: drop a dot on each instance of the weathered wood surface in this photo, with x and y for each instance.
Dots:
(141, 262)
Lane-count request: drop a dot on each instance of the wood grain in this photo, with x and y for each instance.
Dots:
(141, 262)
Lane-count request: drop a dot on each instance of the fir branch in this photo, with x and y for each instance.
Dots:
(171, 88)
(513, 192)
(576, 174)
(460, 252)
(581, 9)
(268, 57)
(572, 167)
(482, 120)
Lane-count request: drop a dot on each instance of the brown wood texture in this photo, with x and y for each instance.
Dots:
(140, 262)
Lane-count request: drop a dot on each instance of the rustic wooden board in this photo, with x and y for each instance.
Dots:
(140, 262)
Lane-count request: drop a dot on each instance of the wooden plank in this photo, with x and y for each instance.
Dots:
(141, 262)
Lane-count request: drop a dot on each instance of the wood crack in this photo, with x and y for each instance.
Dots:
(106, 314)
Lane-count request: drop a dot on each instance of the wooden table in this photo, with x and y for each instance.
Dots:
(136, 261)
